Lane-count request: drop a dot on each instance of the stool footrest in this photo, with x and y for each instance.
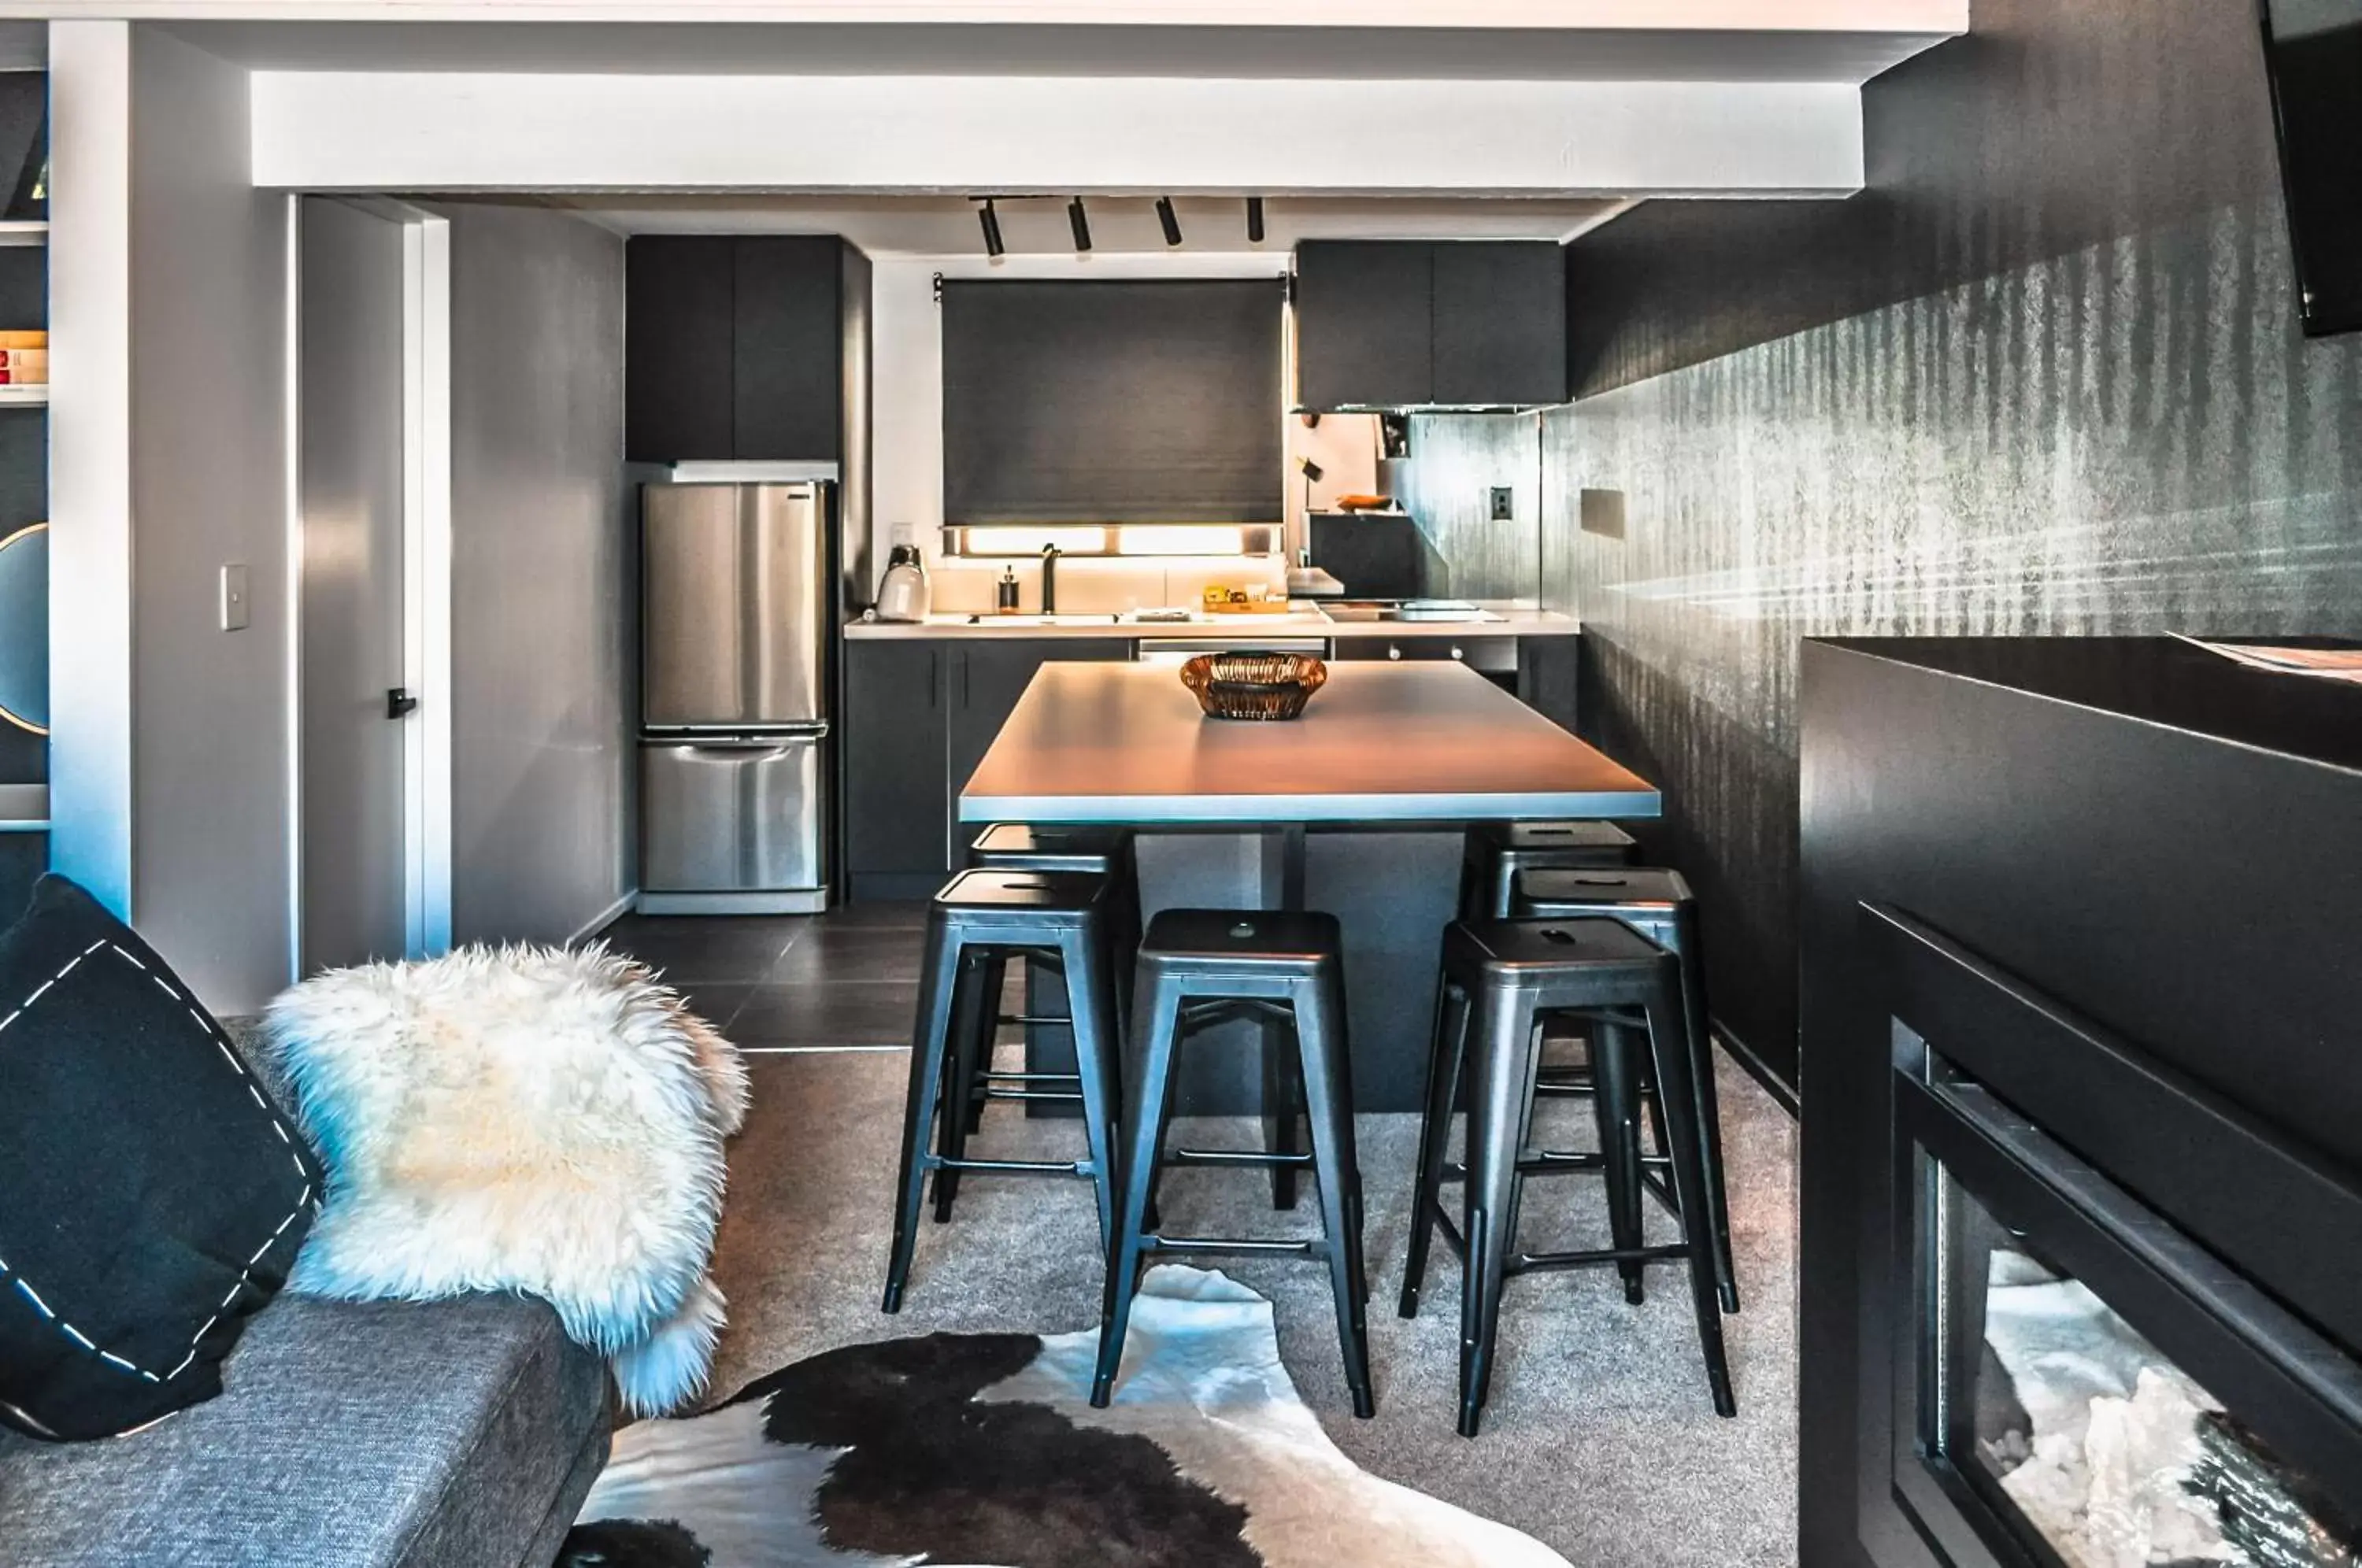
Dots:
(1036, 1019)
(1235, 1159)
(1031, 1077)
(1070, 1097)
(1196, 1014)
(1536, 1263)
(1309, 1246)
(1555, 1162)
(1012, 1167)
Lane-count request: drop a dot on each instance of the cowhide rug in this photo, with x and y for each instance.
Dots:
(982, 1448)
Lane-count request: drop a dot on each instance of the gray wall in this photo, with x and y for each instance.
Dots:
(541, 594)
(1455, 463)
(2044, 377)
(208, 282)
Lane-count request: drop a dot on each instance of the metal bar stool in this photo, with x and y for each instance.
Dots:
(1024, 847)
(1199, 966)
(1659, 905)
(975, 926)
(1500, 977)
(1498, 852)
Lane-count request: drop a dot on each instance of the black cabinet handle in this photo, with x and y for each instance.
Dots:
(399, 703)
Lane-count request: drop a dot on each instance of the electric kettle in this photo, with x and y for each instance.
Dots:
(903, 595)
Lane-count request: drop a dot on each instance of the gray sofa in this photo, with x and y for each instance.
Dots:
(451, 1434)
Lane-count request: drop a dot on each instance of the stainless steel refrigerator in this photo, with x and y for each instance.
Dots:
(733, 699)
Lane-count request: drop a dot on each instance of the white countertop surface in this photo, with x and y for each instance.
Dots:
(1101, 742)
(1302, 622)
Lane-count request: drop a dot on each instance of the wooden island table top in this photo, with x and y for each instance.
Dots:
(1380, 743)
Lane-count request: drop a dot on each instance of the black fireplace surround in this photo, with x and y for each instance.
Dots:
(2082, 1107)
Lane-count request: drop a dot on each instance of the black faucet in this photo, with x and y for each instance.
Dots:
(1049, 580)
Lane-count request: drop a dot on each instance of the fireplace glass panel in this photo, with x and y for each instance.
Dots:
(2093, 1447)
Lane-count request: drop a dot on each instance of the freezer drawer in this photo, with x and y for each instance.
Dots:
(728, 816)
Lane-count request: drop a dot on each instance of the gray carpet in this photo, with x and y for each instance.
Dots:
(1599, 1439)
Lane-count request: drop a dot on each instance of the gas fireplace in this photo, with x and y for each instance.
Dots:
(2095, 1296)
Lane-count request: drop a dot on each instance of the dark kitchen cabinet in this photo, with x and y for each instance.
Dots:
(678, 402)
(1500, 323)
(896, 719)
(733, 347)
(1364, 335)
(987, 677)
(1408, 323)
(919, 716)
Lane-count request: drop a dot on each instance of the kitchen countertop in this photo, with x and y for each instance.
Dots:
(1297, 623)
(1428, 742)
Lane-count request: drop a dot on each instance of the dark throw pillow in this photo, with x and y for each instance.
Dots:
(151, 1194)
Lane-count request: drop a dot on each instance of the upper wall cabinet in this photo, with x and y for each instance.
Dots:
(733, 347)
(1410, 323)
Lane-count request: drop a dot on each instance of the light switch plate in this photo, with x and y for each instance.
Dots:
(236, 610)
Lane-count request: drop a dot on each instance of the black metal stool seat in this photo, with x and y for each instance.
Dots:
(1658, 904)
(1498, 852)
(1196, 966)
(979, 922)
(1500, 979)
(1030, 846)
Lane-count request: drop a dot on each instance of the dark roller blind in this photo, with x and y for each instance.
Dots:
(1112, 402)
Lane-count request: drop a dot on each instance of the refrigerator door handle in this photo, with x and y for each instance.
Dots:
(751, 743)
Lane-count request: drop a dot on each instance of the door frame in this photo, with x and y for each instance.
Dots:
(425, 571)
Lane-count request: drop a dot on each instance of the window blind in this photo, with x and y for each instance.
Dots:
(1135, 402)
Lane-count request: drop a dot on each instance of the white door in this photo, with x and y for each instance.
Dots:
(350, 387)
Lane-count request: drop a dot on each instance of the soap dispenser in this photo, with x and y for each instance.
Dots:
(1007, 591)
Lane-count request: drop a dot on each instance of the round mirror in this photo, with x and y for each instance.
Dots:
(25, 628)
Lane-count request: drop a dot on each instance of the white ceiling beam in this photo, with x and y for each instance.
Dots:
(328, 130)
(1941, 17)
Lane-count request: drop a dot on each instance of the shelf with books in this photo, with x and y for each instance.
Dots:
(24, 397)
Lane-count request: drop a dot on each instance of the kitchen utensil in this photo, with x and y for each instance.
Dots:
(904, 595)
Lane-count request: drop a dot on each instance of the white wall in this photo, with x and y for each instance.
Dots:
(90, 458)
(208, 486)
(171, 779)
(541, 587)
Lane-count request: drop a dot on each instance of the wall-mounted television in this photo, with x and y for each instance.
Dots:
(2313, 55)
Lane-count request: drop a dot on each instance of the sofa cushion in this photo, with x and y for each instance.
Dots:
(155, 1193)
(348, 1433)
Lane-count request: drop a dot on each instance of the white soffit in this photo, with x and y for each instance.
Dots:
(419, 131)
(1673, 43)
(1743, 15)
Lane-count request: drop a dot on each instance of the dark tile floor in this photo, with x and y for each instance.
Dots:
(847, 979)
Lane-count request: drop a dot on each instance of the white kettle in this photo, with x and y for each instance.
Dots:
(903, 596)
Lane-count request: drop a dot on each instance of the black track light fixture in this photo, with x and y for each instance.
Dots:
(1172, 225)
(990, 220)
(1254, 220)
(1080, 223)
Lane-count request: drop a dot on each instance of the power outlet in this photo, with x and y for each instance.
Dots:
(1504, 506)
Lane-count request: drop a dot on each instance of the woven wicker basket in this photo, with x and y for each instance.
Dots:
(1249, 685)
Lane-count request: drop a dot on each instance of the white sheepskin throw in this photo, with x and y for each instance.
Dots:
(528, 1119)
